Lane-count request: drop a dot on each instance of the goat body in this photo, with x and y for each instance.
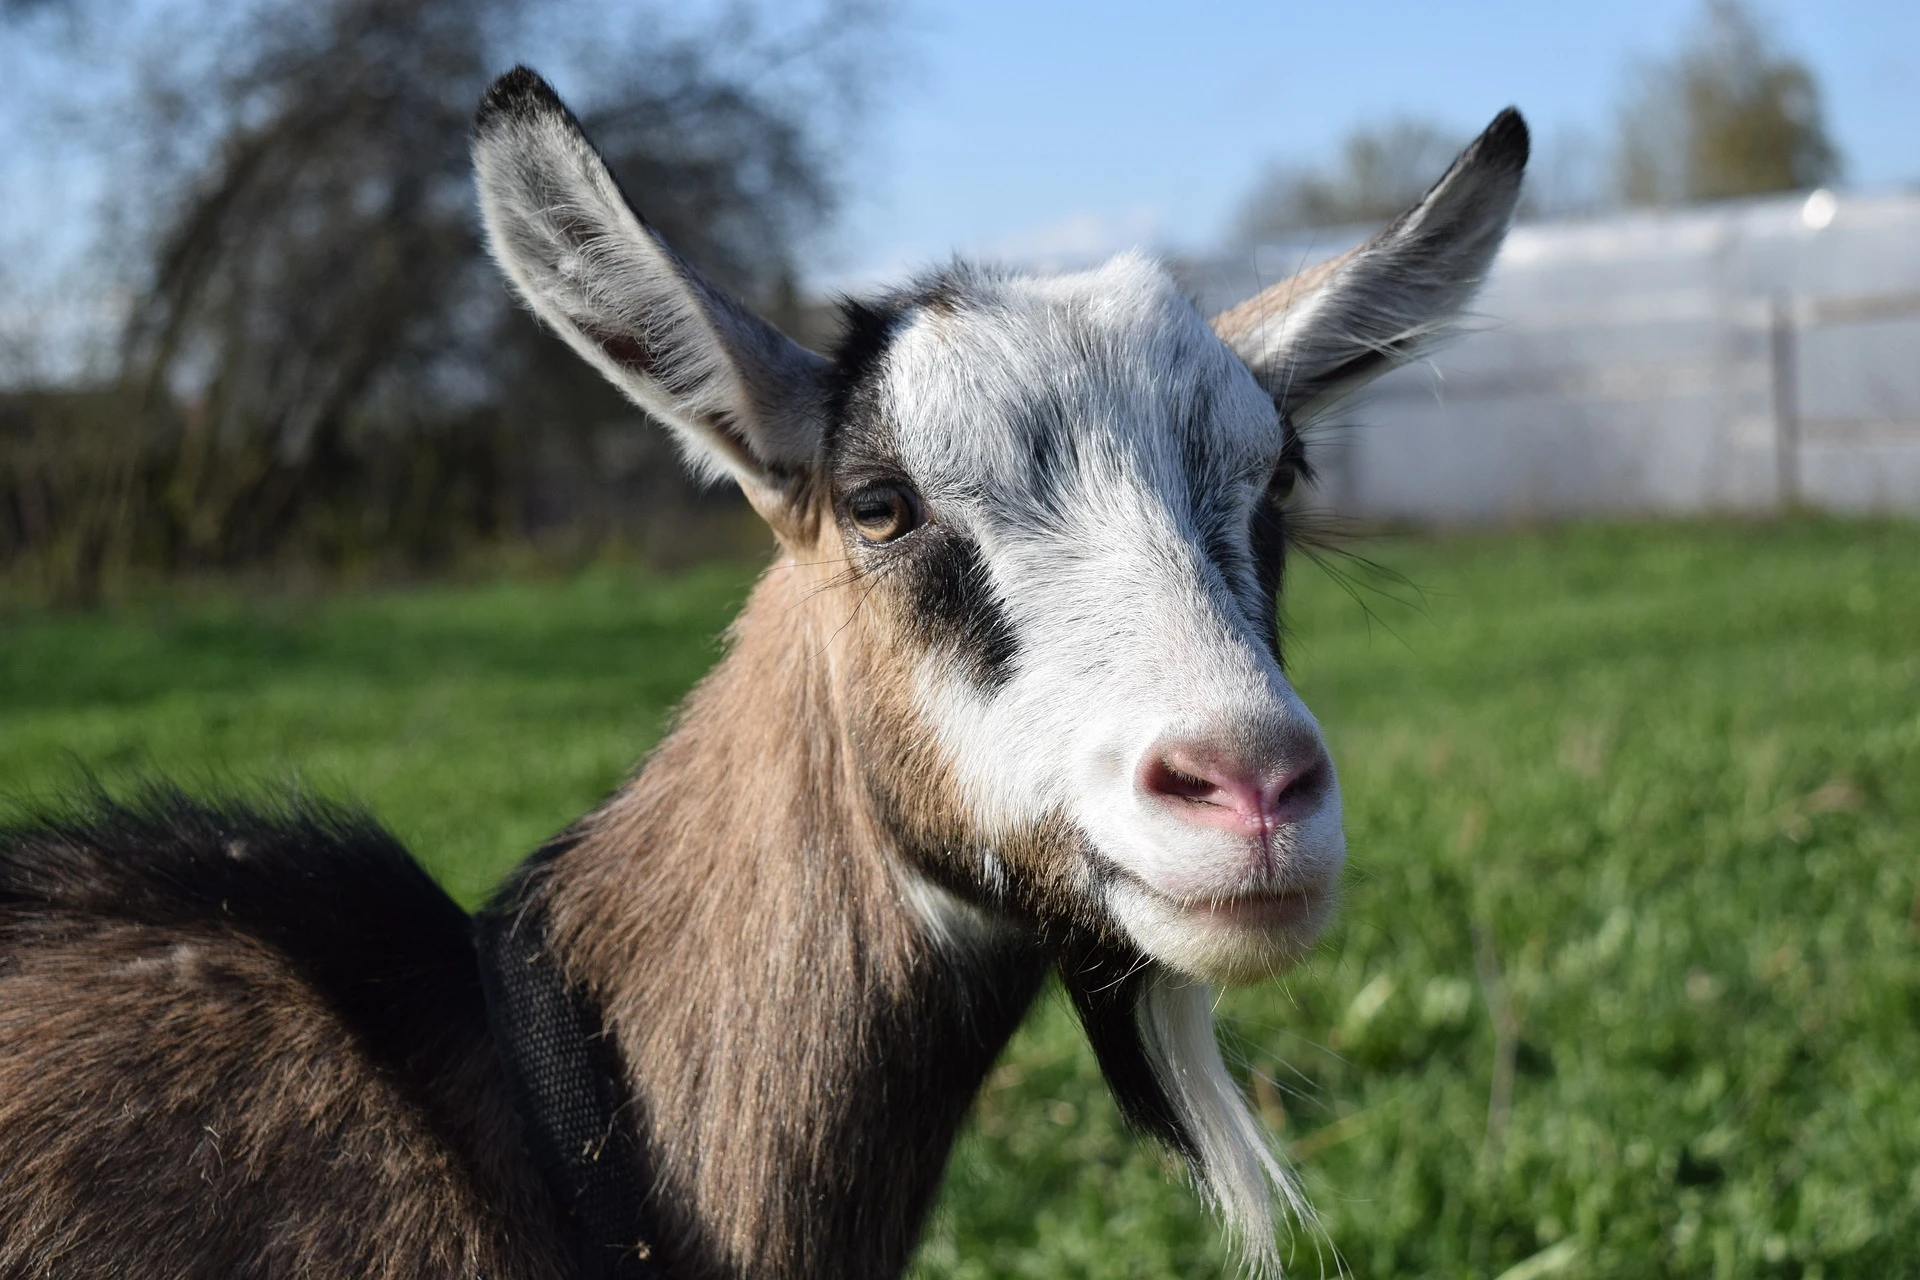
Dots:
(239, 1043)
(1010, 700)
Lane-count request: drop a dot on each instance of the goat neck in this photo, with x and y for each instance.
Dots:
(801, 1041)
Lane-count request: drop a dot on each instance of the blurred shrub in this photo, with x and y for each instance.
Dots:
(318, 363)
(1730, 114)
(1382, 171)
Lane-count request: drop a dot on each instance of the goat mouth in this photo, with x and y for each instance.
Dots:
(1261, 910)
(1293, 909)
(1231, 938)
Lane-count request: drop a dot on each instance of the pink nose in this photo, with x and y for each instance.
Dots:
(1214, 785)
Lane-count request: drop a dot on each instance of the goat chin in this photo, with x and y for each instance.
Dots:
(1227, 942)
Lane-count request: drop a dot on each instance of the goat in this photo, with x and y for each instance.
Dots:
(1009, 701)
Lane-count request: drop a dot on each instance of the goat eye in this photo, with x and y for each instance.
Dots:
(884, 512)
(1280, 487)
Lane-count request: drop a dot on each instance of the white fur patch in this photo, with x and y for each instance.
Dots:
(1099, 445)
(955, 927)
(1238, 1172)
(1085, 431)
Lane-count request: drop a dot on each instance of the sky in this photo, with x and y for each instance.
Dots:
(1039, 131)
(1029, 129)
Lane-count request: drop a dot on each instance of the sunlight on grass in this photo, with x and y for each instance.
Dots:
(1628, 979)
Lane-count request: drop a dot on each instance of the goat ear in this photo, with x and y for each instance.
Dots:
(743, 399)
(1317, 336)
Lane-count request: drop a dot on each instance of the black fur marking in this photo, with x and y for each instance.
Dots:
(520, 94)
(1506, 140)
(1043, 445)
(853, 401)
(1269, 534)
(326, 887)
(1257, 550)
(954, 604)
(1197, 449)
(569, 1089)
(1214, 518)
(1052, 453)
(956, 607)
(1269, 538)
(867, 329)
(1224, 542)
(1106, 985)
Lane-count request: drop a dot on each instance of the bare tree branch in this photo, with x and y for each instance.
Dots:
(318, 355)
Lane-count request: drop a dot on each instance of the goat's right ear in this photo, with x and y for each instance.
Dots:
(743, 399)
(1316, 337)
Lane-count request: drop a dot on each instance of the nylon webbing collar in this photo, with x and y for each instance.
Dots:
(561, 1076)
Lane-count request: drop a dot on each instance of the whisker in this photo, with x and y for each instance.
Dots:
(877, 575)
(808, 564)
(1293, 361)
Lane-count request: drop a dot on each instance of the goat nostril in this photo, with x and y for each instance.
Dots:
(1304, 785)
(1209, 788)
(1164, 778)
(1296, 795)
(1242, 794)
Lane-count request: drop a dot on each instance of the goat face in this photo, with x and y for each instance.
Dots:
(1056, 504)
(1063, 494)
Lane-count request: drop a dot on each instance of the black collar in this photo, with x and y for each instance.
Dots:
(565, 1083)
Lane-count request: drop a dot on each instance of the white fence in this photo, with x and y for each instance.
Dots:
(1739, 357)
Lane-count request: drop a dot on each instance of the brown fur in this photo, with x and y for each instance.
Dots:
(182, 1103)
(189, 1099)
(801, 1054)
(1242, 321)
(185, 1100)
(246, 1044)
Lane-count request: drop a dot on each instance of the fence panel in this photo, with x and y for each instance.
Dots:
(1740, 357)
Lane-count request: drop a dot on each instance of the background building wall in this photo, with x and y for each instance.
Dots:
(1738, 357)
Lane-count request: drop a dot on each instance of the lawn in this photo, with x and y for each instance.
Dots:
(1628, 980)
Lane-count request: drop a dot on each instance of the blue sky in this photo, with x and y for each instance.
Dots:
(1030, 129)
(1022, 128)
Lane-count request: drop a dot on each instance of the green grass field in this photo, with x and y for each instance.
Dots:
(1628, 981)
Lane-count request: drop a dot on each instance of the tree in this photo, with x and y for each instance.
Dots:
(1382, 171)
(1728, 115)
(318, 359)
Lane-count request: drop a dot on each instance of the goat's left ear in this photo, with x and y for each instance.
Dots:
(743, 399)
(1317, 336)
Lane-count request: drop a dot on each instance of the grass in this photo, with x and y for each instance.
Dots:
(1628, 980)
